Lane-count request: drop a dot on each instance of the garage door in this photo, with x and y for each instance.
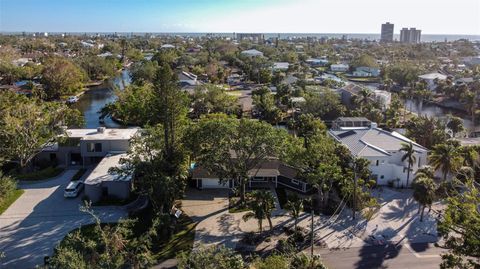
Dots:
(213, 184)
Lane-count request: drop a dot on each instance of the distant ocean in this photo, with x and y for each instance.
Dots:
(424, 38)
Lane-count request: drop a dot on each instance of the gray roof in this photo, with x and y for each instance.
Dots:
(373, 142)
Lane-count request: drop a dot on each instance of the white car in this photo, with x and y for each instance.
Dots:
(72, 99)
(73, 189)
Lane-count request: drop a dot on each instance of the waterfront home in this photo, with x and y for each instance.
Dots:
(268, 172)
(381, 148)
(431, 79)
(365, 71)
(84, 147)
(252, 53)
(350, 90)
(339, 67)
(102, 182)
(99, 149)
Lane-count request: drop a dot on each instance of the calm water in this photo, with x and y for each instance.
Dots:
(432, 110)
(95, 99)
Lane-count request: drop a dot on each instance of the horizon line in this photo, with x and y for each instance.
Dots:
(218, 32)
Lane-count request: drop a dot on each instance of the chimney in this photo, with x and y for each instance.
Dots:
(101, 130)
(373, 125)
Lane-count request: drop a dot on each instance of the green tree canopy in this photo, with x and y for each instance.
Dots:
(61, 77)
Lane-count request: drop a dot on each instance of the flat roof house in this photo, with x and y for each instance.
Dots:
(100, 148)
(381, 148)
(101, 182)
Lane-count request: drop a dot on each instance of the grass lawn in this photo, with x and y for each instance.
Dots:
(10, 200)
(46, 173)
(362, 79)
(181, 240)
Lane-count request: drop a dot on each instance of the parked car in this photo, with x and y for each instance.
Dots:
(73, 189)
(72, 99)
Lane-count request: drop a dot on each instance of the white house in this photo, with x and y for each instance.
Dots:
(167, 46)
(339, 67)
(431, 79)
(252, 53)
(382, 149)
(280, 66)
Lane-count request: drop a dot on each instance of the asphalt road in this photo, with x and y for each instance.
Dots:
(411, 256)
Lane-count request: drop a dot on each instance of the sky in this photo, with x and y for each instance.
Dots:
(227, 16)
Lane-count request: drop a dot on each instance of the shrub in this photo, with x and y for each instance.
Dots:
(46, 173)
(7, 186)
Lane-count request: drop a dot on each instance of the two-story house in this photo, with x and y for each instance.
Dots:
(98, 149)
(381, 148)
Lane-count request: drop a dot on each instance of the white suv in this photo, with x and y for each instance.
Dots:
(73, 189)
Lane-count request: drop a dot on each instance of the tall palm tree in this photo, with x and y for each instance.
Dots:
(261, 208)
(424, 193)
(446, 157)
(409, 156)
(470, 100)
(295, 206)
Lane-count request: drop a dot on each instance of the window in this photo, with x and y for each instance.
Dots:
(382, 177)
(377, 162)
(94, 147)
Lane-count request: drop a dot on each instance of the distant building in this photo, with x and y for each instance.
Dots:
(431, 79)
(252, 53)
(250, 36)
(365, 71)
(281, 66)
(339, 67)
(387, 33)
(411, 35)
(316, 62)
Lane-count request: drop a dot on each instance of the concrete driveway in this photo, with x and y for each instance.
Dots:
(209, 208)
(33, 225)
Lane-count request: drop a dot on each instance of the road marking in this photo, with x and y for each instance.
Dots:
(420, 256)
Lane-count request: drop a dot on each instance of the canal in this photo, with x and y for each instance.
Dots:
(432, 110)
(97, 97)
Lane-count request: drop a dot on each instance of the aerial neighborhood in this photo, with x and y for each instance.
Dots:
(146, 150)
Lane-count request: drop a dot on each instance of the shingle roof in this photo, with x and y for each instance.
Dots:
(373, 142)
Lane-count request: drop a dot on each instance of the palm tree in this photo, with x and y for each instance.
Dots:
(424, 193)
(363, 98)
(295, 206)
(409, 156)
(470, 100)
(426, 171)
(261, 206)
(446, 157)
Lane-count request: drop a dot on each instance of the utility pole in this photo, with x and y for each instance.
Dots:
(354, 187)
(312, 234)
